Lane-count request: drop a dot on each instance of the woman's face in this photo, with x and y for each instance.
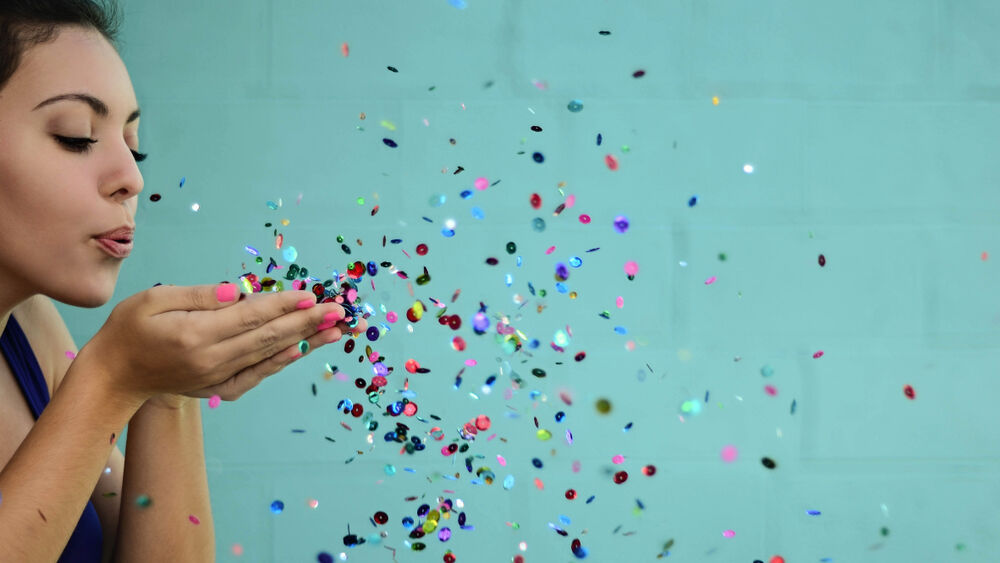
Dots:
(55, 198)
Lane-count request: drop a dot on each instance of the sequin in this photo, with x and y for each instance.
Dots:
(603, 406)
(631, 269)
(621, 477)
(575, 106)
(621, 224)
(562, 272)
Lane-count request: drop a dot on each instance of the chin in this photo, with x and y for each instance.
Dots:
(89, 295)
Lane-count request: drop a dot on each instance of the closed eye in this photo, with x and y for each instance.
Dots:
(82, 145)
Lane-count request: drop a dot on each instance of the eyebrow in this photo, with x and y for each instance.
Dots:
(99, 107)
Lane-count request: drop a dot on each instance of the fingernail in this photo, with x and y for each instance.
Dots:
(332, 316)
(226, 292)
(305, 303)
(324, 326)
(297, 356)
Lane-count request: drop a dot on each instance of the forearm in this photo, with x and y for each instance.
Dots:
(165, 461)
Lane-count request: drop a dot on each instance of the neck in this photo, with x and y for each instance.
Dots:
(9, 304)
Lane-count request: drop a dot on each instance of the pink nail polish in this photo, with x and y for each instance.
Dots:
(324, 326)
(305, 304)
(332, 316)
(226, 292)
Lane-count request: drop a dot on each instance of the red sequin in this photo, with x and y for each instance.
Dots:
(483, 422)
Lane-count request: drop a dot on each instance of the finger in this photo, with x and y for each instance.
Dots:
(260, 309)
(251, 376)
(358, 329)
(194, 297)
(234, 387)
(271, 325)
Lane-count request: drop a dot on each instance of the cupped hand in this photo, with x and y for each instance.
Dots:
(187, 339)
(234, 387)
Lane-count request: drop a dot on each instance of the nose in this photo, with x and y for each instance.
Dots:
(125, 181)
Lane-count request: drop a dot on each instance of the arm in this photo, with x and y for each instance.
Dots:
(48, 481)
(166, 462)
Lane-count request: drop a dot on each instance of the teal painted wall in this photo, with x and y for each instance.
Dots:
(869, 127)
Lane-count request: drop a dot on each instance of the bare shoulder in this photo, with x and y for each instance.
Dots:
(49, 337)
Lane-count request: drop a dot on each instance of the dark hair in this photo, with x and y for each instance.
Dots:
(27, 23)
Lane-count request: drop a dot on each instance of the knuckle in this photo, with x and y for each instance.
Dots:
(251, 320)
(201, 365)
(268, 339)
(200, 301)
(185, 340)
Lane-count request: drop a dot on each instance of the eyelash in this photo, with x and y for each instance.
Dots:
(82, 144)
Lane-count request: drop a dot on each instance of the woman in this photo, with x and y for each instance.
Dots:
(69, 183)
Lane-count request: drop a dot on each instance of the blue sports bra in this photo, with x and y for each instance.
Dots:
(86, 542)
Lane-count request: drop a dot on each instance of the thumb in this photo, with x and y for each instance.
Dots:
(228, 293)
(200, 297)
